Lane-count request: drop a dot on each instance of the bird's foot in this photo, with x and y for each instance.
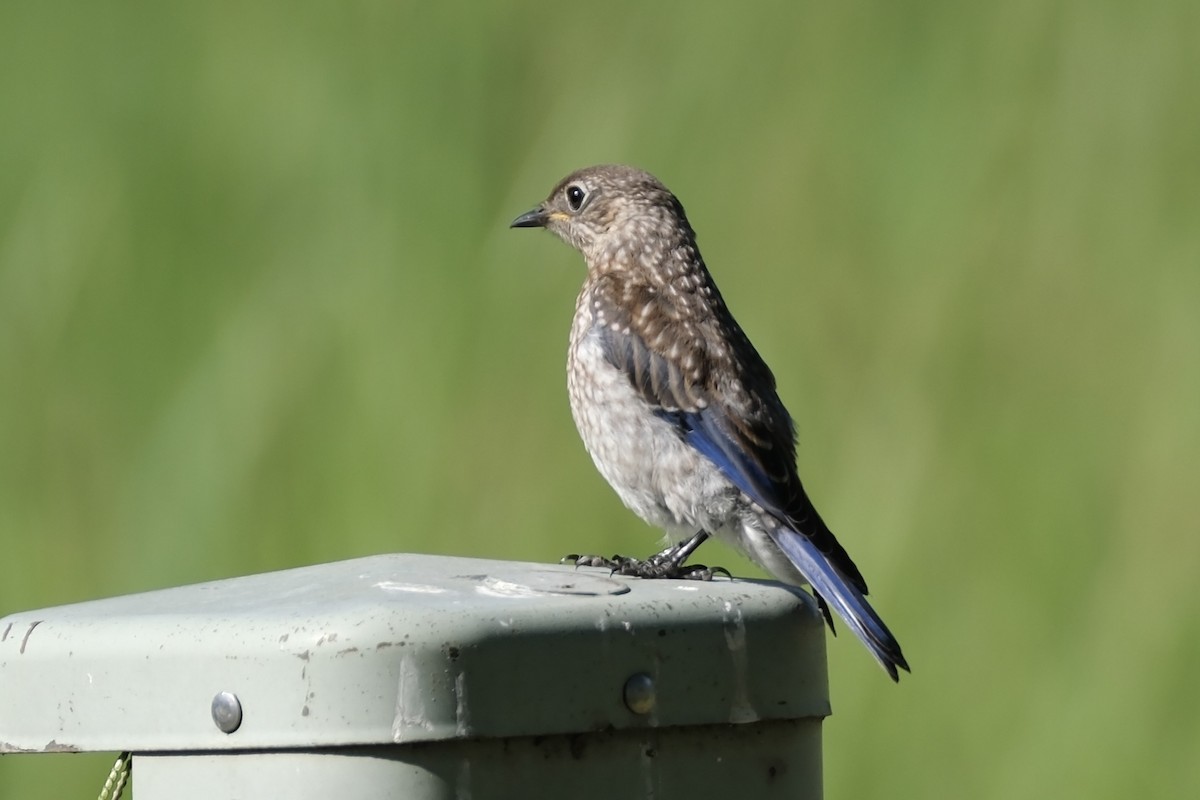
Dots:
(666, 564)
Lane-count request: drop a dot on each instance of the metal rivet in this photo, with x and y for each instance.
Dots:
(227, 711)
(640, 694)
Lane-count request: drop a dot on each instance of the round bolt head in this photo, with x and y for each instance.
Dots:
(640, 695)
(227, 712)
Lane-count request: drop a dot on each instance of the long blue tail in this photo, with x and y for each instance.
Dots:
(844, 598)
(841, 587)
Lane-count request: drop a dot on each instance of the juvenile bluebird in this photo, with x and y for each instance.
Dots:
(677, 408)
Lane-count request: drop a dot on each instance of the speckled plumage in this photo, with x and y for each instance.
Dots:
(674, 404)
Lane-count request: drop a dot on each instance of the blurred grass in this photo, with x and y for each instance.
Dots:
(259, 307)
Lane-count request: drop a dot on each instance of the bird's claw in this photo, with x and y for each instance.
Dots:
(590, 561)
(658, 566)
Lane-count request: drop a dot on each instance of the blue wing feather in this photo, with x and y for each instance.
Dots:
(702, 430)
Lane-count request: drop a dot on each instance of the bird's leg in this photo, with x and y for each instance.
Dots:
(678, 553)
(665, 564)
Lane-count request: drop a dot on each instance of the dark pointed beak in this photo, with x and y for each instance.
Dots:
(535, 218)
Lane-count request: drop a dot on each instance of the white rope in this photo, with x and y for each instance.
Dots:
(117, 778)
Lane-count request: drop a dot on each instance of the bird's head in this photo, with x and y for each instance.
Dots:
(601, 208)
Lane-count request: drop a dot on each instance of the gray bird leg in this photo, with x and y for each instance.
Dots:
(665, 564)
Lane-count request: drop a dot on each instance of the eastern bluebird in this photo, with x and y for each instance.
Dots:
(677, 408)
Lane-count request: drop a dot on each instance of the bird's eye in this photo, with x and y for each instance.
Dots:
(575, 196)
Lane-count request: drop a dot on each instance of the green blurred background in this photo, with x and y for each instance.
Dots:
(259, 307)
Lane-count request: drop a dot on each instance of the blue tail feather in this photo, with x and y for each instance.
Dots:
(844, 598)
(705, 430)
